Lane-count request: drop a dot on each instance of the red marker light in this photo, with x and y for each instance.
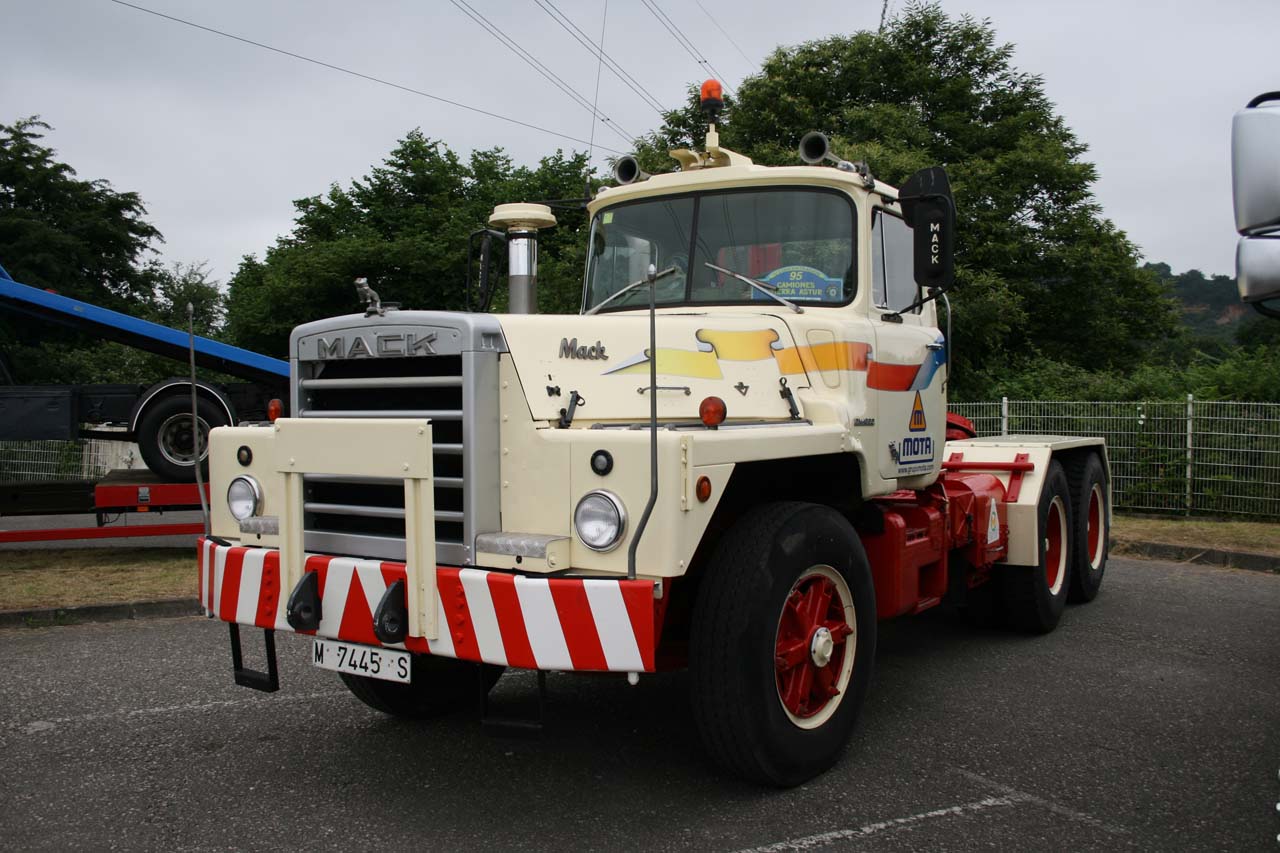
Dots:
(703, 489)
(712, 412)
(275, 408)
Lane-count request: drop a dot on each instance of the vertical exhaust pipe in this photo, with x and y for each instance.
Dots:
(522, 223)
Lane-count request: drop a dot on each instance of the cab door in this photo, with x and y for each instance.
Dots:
(907, 370)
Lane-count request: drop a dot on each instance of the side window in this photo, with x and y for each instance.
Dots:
(893, 285)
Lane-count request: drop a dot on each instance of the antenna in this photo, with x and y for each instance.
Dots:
(195, 414)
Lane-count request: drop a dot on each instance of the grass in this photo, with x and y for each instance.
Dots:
(69, 577)
(1254, 536)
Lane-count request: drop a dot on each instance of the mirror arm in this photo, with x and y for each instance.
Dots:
(934, 293)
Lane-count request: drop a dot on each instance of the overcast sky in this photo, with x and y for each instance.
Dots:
(219, 137)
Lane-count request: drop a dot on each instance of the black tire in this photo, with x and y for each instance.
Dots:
(739, 618)
(164, 436)
(437, 686)
(1090, 500)
(1034, 596)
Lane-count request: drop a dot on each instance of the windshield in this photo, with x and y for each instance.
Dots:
(798, 242)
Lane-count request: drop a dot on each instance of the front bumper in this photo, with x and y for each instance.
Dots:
(495, 617)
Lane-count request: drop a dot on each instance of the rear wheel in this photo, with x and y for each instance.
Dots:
(1034, 596)
(437, 686)
(167, 442)
(782, 644)
(1089, 499)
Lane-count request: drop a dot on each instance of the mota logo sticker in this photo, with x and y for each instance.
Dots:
(917, 415)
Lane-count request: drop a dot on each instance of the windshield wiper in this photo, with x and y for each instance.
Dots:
(630, 287)
(766, 289)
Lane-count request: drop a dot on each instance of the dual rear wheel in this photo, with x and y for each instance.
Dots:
(1072, 518)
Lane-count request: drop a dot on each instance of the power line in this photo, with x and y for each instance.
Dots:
(362, 76)
(604, 19)
(614, 68)
(724, 33)
(683, 40)
(532, 61)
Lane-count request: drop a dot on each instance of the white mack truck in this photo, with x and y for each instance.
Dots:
(736, 458)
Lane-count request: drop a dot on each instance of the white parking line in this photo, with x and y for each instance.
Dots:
(1056, 808)
(36, 726)
(810, 842)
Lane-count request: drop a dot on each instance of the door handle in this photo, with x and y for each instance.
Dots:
(935, 346)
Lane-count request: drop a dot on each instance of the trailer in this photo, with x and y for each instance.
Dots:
(120, 496)
(736, 458)
(156, 416)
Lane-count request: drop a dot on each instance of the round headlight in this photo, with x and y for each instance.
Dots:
(600, 520)
(243, 497)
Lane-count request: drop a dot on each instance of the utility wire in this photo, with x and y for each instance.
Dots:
(724, 33)
(362, 76)
(614, 68)
(604, 19)
(532, 61)
(683, 40)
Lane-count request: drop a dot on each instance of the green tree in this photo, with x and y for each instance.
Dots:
(85, 240)
(1040, 271)
(405, 227)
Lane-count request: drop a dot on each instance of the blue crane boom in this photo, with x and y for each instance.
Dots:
(142, 334)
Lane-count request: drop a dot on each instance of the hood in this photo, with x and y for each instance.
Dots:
(738, 357)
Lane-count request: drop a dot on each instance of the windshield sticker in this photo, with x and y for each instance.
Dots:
(802, 284)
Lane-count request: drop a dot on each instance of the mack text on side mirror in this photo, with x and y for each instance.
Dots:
(928, 207)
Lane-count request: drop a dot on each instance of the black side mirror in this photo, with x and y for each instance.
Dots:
(930, 210)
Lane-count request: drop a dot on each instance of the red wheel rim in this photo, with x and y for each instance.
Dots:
(1097, 526)
(1055, 552)
(815, 646)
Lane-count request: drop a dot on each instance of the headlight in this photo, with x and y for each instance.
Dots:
(243, 497)
(600, 520)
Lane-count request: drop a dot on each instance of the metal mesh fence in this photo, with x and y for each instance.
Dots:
(1211, 458)
(32, 461)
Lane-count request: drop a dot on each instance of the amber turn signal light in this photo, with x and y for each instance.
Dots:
(275, 408)
(703, 489)
(712, 412)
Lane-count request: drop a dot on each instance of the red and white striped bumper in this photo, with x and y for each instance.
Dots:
(489, 616)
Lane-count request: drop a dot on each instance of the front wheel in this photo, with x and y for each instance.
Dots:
(782, 645)
(437, 686)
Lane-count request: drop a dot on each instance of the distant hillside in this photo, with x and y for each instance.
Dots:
(1210, 304)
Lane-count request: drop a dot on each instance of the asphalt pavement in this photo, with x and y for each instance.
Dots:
(1150, 719)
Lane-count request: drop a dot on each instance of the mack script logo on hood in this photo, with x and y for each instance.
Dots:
(569, 349)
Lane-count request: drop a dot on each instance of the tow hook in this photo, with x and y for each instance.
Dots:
(391, 618)
(303, 611)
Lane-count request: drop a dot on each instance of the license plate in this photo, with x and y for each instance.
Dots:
(385, 664)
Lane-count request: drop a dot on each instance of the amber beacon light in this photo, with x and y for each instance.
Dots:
(712, 96)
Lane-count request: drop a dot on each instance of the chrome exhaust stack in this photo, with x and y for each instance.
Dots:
(627, 170)
(522, 223)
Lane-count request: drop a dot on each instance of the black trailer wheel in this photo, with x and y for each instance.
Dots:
(437, 686)
(782, 643)
(1034, 596)
(1089, 498)
(166, 440)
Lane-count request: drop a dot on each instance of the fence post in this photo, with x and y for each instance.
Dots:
(1190, 450)
(1004, 415)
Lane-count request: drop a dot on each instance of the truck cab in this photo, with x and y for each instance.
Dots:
(733, 458)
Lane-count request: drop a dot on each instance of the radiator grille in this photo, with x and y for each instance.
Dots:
(364, 516)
